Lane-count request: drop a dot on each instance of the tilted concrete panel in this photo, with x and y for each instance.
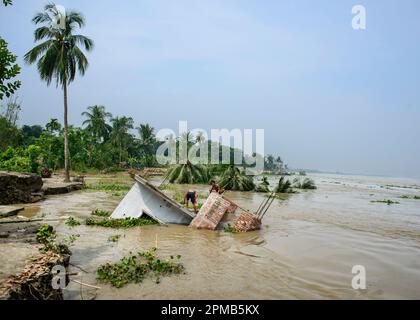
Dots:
(145, 199)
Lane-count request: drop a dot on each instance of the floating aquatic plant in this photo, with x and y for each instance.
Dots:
(135, 268)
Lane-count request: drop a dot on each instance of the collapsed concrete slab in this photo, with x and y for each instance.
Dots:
(146, 199)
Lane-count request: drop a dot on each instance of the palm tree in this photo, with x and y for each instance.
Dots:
(59, 58)
(235, 179)
(306, 184)
(188, 173)
(147, 138)
(120, 136)
(263, 186)
(96, 123)
(284, 186)
(147, 143)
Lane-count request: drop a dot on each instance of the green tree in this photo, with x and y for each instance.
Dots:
(120, 136)
(96, 123)
(263, 186)
(147, 143)
(53, 126)
(188, 173)
(30, 134)
(235, 179)
(284, 186)
(8, 70)
(59, 57)
(9, 132)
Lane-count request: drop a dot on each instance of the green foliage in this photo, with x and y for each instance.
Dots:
(72, 222)
(96, 123)
(263, 187)
(8, 70)
(101, 213)
(47, 236)
(235, 179)
(120, 223)
(30, 134)
(33, 154)
(103, 186)
(188, 173)
(10, 135)
(135, 268)
(306, 184)
(120, 136)
(284, 186)
(60, 56)
(229, 229)
(20, 160)
(147, 143)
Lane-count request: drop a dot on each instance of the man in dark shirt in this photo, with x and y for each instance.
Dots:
(191, 196)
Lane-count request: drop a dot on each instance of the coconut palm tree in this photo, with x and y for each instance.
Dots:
(96, 123)
(235, 179)
(188, 173)
(263, 186)
(59, 57)
(284, 186)
(306, 184)
(147, 138)
(120, 136)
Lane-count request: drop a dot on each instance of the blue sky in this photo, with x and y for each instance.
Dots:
(328, 97)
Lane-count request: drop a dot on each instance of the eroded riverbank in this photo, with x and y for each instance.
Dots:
(305, 250)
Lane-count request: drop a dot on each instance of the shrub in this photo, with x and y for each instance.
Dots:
(71, 222)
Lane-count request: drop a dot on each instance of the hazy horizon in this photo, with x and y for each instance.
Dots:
(329, 97)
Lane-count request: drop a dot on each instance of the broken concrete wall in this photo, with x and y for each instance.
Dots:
(247, 222)
(211, 213)
(19, 187)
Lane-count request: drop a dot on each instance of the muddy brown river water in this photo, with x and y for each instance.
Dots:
(306, 249)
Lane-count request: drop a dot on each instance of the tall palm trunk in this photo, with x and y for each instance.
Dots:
(66, 140)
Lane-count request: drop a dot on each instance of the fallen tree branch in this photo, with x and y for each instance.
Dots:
(86, 285)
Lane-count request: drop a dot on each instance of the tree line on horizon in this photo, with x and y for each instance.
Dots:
(104, 142)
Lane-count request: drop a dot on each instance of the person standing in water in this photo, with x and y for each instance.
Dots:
(191, 196)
